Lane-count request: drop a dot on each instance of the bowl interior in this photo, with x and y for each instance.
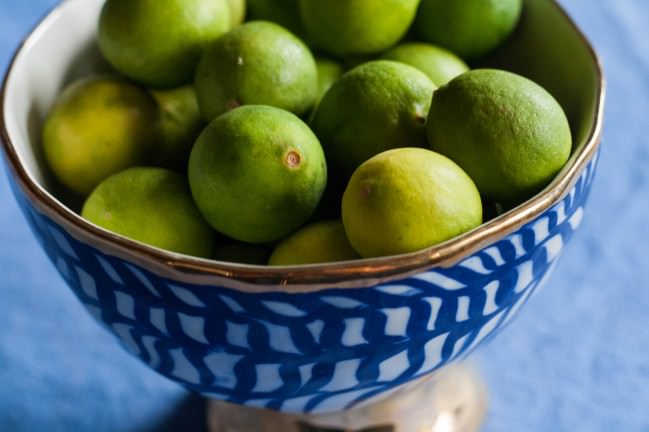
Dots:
(547, 48)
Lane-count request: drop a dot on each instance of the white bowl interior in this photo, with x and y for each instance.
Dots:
(37, 77)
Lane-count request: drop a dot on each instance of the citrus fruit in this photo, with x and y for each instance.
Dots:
(257, 173)
(237, 12)
(319, 242)
(351, 27)
(257, 63)
(180, 124)
(153, 206)
(508, 133)
(469, 28)
(159, 42)
(372, 108)
(97, 127)
(439, 64)
(408, 199)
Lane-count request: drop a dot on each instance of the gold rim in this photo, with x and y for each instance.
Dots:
(361, 273)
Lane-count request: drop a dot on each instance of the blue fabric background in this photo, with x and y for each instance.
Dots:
(576, 358)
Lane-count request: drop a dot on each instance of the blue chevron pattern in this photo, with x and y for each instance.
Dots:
(312, 352)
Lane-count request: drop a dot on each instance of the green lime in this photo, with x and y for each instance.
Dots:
(509, 134)
(375, 107)
(153, 206)
(159, 43)
(237, 12)
(97, 127)
(180, 124)
(257, 173)
(257, 63)
(319, 242)
(353, 27)
(439, 64)
(469, 28)
(241, 253)
(408, 199)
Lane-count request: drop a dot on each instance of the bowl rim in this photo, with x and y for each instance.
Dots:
(303, 278)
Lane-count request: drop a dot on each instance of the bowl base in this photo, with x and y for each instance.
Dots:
(451, 400)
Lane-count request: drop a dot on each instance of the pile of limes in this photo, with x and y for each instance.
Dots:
(318, 130)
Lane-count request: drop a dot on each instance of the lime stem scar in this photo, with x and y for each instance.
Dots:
(293, 159)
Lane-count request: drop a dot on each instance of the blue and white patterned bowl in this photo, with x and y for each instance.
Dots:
(309, 339)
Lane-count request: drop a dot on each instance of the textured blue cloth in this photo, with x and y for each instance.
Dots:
(577, 357)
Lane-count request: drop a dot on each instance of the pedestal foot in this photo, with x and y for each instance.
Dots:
(451, 400)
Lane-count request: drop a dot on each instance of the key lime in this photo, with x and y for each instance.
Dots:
(153, 206)
(159, 42)
(408, 199)
(375, 107)
(347, 28)
(319, 242)
(237, 12)
(469, 28)
(97, 127)
(508, 133)
(257, 173)
(439, 64)
(257, 63)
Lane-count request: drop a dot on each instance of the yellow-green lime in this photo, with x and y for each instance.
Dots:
(237, 12)
(97, 127)
(159, 42)
(257, 63)
(257, 173)
(469, 28)
(180, 124)
(319, 242)
(347, 28)
(375, 107)
(153, 206)
(408, 199)
(507, 132)
(438, 63)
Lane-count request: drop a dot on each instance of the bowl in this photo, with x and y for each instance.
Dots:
(306, 339)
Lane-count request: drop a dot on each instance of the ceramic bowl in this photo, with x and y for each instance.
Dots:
(309, 339)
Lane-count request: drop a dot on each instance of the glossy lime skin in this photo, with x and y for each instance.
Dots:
(375, 107)
(507, 132)
(153, 206)
(257, 173)
(257, 63)
(469, 28)
(97, 127)
(319, 242)
(439, 64)
(346, 28)
(408, 199)
(159, 42)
